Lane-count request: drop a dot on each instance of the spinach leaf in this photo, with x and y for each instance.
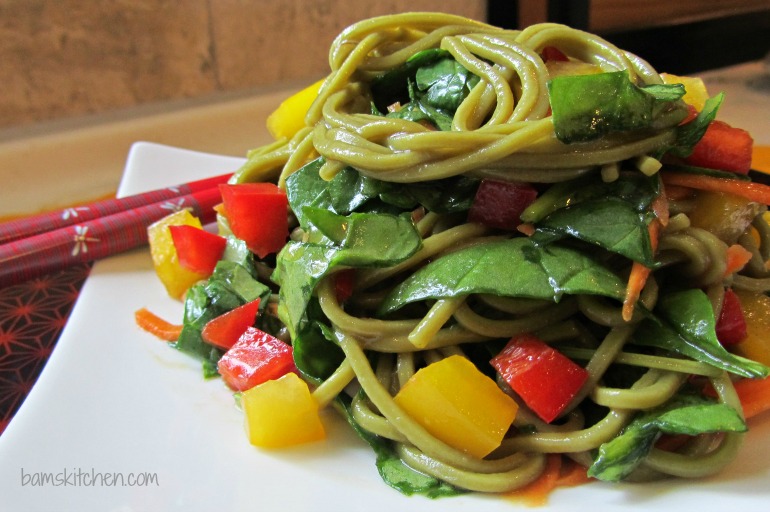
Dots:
(610, 223)
(687, 135)
(684, 414)
(305, 187)
(350, 191)
(445, 84)
(683, 322)
(391, 87)
(632, 187)
(586, 107)
(230, 285)
(314, 355)
(514, 268)
(419, 111)
(360, 240)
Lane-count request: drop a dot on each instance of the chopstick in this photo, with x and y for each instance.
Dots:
(101, 236)
(35, 224)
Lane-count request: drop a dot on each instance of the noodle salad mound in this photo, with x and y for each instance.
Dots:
(493, 252)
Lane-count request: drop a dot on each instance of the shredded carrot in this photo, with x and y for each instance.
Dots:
(754, 395)
(637, 279)
(156, 326)
(750, 190)
(559, 472)
(737, 257)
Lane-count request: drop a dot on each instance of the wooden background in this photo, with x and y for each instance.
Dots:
(65, 58)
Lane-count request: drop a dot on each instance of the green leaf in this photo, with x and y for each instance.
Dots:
(190, 342)
(349, 191)
(586, 107)
(665, 92)
(445, 84)
(632, 187)
(305, 187)
(359, 240)
(314, 355)
(684, 323)
(230, 285)
(683, 414)
(610, 223)
(687, 135)
(513, 268)
(391, 87)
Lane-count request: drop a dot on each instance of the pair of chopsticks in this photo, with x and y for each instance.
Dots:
(40, 244)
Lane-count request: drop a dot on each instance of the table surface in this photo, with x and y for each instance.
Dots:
(85, 162)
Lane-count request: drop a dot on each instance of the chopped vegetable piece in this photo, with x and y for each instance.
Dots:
(748, 189)
(197, 249)
(736, 258)
(157, 326)
(459, 405)
(696, 94)
(257, 213)
(499, 204)
(255, 358)
(289, 117)
(165, 259)
(544, 378)
(756, 310)
(637, 279)
(754, 395)
(343, 284)
(225, 330)
(731, 325)
(281, 413)
(551, 53)
(723, 147)
(725, 215)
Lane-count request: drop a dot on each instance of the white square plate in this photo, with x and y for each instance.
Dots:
(114, 402)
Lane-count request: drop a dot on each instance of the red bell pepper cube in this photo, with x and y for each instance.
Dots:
(723, 147)
(551, 53)
(499, 204)
(225, 330)
(343, 284)
(255, 358)
(544, 378)
(257, 213)
(731, 325)
(197, 249)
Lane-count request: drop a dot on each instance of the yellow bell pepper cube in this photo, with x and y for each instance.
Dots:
(695, 90)
(174, 277)
(459, 405)
(289, 117)
(281, 413)
(756, 310)
(725, 215)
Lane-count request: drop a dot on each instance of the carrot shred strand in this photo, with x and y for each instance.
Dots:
(750, 190)
(157, 326)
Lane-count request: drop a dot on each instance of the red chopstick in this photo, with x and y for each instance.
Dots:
(35, 224)
(97, 238)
